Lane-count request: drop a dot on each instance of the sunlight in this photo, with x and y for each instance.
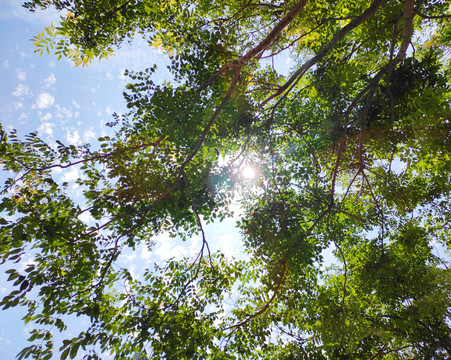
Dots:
(248, 172)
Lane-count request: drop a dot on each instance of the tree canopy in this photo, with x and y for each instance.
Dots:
(351, 153)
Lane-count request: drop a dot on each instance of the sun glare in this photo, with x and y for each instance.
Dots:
(248, 173)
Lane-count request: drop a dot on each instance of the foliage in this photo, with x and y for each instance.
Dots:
(352, 153)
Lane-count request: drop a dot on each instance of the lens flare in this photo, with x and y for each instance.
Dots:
(248, 173)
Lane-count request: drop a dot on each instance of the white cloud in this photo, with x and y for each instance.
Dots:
(76, 190)
(6, 64)
(228, 245)
(109, 76)
(21, 90)
(56, 171)
(166, 248)
(76, 104)
(44, 100)
(28, 260)
(145, 254)
(46, 128)
(88, 135)
(28, 329)
(73, 137)
(132, 270)
(49, 81)
(71, 175)
(21, 75)
(129, 257)
(22, 117)
(86, 218)
(64, 113)
(227, 238)
(17, 105)
(5, 340)
(46, 116)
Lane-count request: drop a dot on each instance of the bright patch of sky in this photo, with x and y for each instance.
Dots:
(44, 100)
(73, 104)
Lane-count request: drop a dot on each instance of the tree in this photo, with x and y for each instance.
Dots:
(370, 89)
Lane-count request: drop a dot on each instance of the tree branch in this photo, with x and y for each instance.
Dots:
(93, 158)
(368, 14)
(265, 307)
(199, 221)
(262, 45)
(433, 17)
(407, 36)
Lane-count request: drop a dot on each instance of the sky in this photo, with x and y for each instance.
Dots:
(73, 104)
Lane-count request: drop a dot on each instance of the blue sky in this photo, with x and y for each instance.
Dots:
(72, 104)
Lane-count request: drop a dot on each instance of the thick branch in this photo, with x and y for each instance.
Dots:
(262, 45)
(211, 121)
(368, 14)
(407, 36)
(275, 32)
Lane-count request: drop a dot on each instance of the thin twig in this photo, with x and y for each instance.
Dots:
(199, 221)
(345, 266)
(433, 17)
(265, 307)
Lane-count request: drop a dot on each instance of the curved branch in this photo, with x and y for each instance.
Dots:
(368, 14)
(275, 32)
(211, 121)
(199, 221)
(265, 307)
(370, 89)
(262, 45)
(345, 265)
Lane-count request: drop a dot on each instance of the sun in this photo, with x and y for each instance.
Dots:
(248, 172)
